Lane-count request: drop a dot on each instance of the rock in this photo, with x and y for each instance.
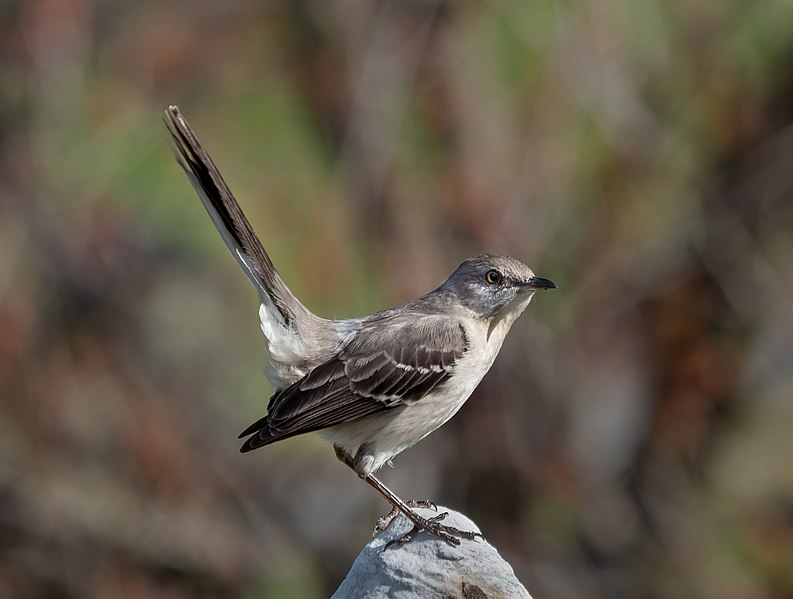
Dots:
(430, 567)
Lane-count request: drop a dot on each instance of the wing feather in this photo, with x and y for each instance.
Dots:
(384, 366)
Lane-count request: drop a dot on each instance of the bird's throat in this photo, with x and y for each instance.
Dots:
(503, 321)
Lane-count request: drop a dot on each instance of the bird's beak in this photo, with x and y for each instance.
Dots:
(538, 283)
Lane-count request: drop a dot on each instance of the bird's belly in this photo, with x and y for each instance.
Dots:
(384, 435)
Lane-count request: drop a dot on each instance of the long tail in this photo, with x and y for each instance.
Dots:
(231, 222)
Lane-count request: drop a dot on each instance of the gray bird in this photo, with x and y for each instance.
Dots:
(376, 385)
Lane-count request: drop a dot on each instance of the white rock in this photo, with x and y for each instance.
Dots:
(430, 567)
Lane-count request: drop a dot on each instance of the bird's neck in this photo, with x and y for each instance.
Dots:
(503, 321)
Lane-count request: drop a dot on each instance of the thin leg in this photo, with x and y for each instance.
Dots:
(431, 525)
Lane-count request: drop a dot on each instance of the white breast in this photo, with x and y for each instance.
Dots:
(387, 434)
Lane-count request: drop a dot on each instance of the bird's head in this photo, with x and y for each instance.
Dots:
(494, 286)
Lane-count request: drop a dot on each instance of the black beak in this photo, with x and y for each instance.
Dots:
(539, 283)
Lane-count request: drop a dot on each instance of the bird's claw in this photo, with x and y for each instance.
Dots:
(385, 521)
(450, 534)
(426, 503)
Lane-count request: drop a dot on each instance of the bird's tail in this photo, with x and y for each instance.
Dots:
(281, 312)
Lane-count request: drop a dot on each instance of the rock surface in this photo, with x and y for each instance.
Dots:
(430, 567)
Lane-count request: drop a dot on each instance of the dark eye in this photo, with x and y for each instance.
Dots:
(493, 277)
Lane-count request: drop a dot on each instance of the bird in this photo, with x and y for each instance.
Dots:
(375, 385)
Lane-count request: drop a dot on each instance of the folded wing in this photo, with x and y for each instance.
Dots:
(392, 364)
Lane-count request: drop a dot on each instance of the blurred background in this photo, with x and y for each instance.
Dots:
(632, 440)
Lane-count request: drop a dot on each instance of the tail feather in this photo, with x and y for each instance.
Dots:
(296, 338)
(229, 219)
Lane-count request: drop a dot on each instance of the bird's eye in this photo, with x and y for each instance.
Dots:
(493, 277)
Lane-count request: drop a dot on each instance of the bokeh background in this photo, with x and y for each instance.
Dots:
(635, 437)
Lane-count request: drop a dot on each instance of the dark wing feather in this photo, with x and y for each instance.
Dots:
(387, 364)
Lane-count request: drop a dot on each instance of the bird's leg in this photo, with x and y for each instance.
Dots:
(385, 521)
(432, 525)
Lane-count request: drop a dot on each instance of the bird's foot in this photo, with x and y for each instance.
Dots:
(385, 521)
(433, 526)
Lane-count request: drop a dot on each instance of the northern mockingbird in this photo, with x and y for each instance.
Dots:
(374, 385)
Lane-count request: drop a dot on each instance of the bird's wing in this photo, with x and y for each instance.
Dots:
(387, 364)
